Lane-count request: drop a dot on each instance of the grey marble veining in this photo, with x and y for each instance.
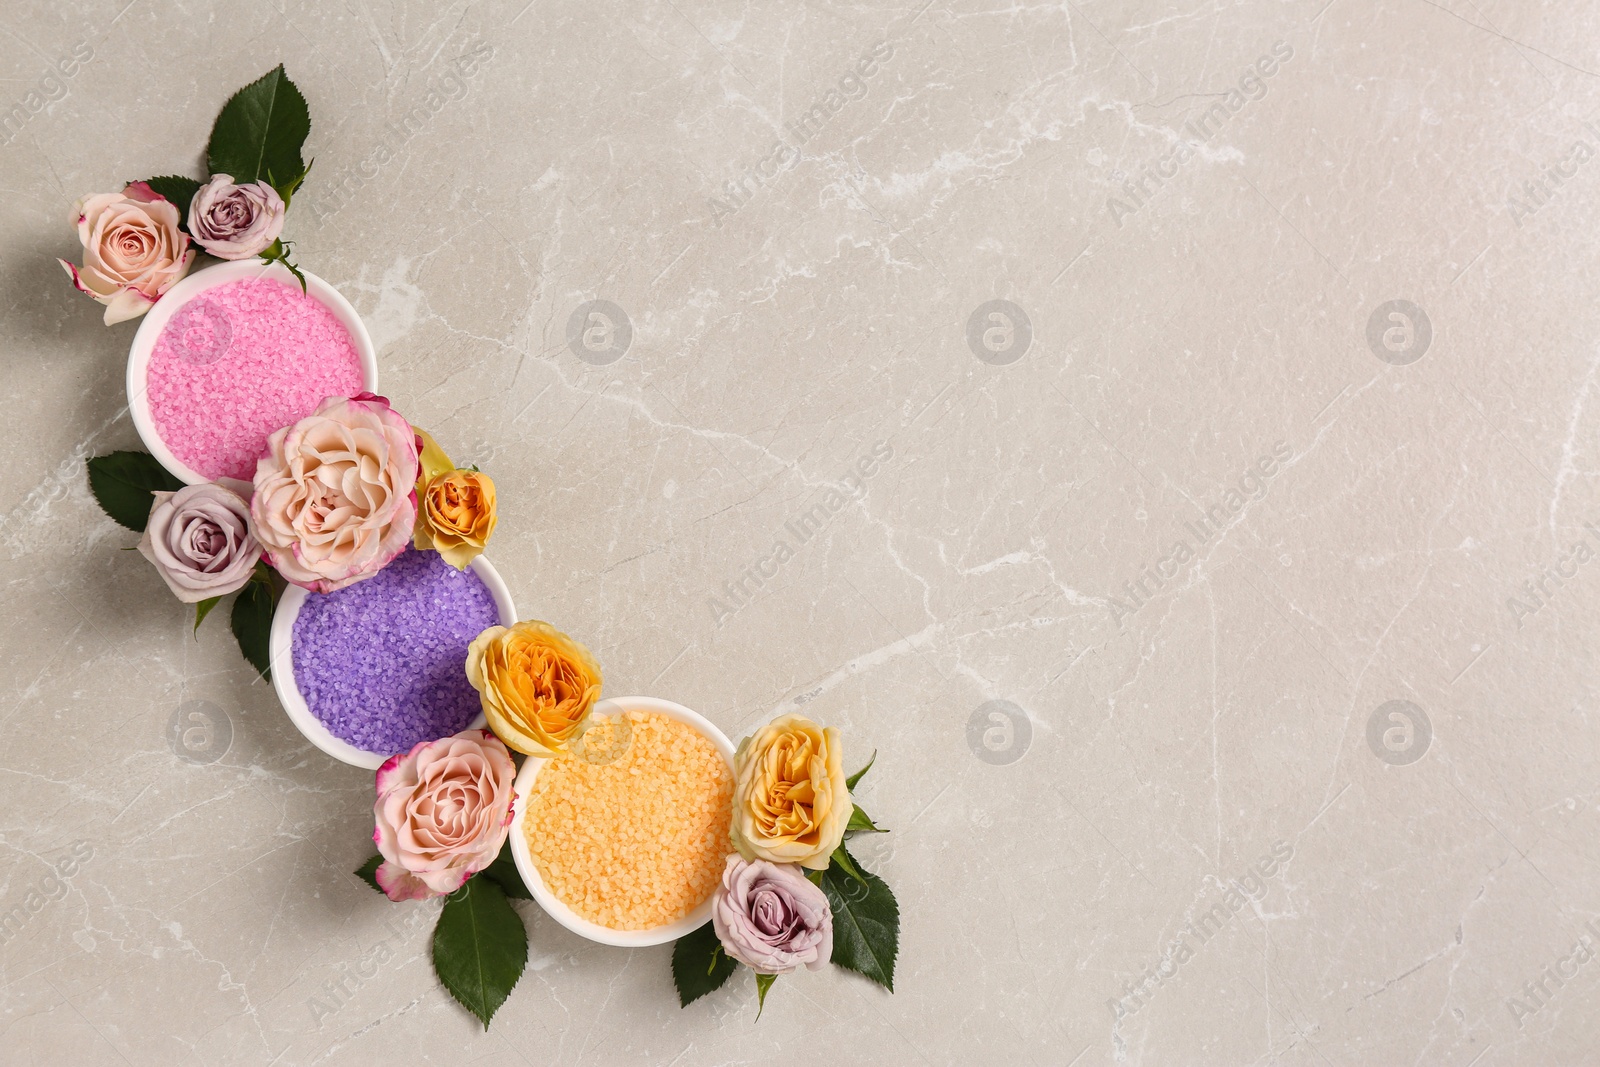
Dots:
(1221, 601)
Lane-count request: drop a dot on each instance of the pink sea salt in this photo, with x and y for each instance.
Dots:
(240, 361)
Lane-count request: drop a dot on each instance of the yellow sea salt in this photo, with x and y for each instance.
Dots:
(630, 828)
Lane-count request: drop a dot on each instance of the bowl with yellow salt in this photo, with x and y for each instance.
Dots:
(623, 837)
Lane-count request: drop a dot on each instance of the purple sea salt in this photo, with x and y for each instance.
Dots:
(382, 662)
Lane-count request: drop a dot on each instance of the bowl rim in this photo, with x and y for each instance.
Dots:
(188, 289)
(553, 905)
(280, 657)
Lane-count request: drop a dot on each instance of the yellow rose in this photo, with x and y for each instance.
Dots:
(536, 685)
(455, 508)
(790, 800)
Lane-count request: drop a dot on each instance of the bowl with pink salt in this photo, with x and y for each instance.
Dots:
(233, 353)
(368, 671)
(623, 837)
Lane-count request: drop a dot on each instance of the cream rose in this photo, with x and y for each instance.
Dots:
(133, 250)
(333, 496)
(790, 800)
(443, 812)
(536, 684)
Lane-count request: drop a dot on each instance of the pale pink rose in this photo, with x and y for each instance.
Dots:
(199, 539)
(335, 495)
(133, 250)
(235, 221)
(770, 918)
(443, 812)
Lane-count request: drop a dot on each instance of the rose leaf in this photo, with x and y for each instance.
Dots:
(861, 822)
(368, 872)
(847, 862)
(504, 870)
(479, 947)
(850, 782)
(122, 484)
(699, 966)
(202, 609)
(179, 190)
(252, 624)
(259, 133)
(763, 983)
(866, 922)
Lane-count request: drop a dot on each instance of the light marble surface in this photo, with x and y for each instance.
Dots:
(483, 170)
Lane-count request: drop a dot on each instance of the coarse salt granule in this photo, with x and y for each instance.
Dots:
(240, 361)
(634, 841)
(382, 663)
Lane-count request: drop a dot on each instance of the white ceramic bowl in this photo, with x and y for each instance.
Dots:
(156, 319)
(530, 870)
(280, 644)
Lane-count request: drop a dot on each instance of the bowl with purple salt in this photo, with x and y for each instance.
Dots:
(233, 353)
(370, 670)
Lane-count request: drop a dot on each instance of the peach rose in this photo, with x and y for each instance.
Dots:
(443, 811)
(133, 250)
(536, 684)
(333, 496)
(790, 800)
(455, 508)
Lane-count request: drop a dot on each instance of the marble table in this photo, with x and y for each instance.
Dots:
(1221, 600)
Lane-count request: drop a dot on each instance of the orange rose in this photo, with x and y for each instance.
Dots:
(536, 684)
(455, 508)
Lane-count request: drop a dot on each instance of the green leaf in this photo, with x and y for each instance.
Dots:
(479, 947)
(252, 623)
(843, 859)
(368, 872)
(866, 922)
(293, 185)
(861, 822)
(122, 484)
(259, 133)
(699, 966)
(850, 782)
(504, 871)
(763, 983)
(179, 190)
(202, 609)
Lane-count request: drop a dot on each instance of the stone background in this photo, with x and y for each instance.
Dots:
(484, 170)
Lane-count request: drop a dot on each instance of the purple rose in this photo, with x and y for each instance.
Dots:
(199, 539)
(235, 221)
(769, 918)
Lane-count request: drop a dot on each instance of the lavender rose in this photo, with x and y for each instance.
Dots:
(443, 811)
(235, 221)
(770, 918)
(199, 539)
